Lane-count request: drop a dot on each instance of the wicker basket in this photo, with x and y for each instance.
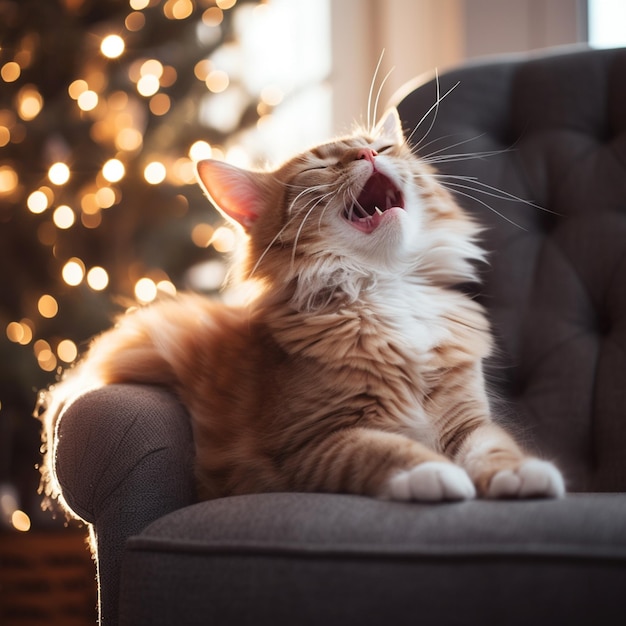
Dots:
(46, 578)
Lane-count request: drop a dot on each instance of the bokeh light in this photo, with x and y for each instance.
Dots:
(112, 46)
(73, 272)
(59, 173)
(113, 170)
(145, 290)
(97, 278)
(155, 172)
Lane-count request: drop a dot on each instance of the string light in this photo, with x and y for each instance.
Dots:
(8, 179)
(154, 172)
(67, 351)
(29, 102)
(37, 202)
(112, 46)
(97, 278)
(87, 100)
(217, 81)
(10, 72)
(59, 173)
(63, 217)
(145, 290)
(138, 5)
(73, 272)
(113, 170)
(47, 306)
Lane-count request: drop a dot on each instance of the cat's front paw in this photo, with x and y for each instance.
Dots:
(532, 479)
(432, 481)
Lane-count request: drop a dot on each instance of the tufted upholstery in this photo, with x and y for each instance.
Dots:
(556, 287)
(551, 130)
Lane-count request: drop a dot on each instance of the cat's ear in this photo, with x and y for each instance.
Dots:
(239, 194)
(390, 126)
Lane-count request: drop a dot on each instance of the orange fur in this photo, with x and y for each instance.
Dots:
(357, 368)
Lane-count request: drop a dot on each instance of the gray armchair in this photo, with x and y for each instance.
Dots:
(556, 294)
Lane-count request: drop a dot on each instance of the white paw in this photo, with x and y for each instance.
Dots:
(532, 479)
(432, 481)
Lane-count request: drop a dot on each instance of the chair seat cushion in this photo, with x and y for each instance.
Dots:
(335, 559)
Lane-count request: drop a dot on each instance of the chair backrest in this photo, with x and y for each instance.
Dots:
(550, 130)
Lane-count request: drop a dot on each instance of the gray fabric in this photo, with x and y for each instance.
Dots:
(555, 293)
(555, 286)
(332, 559)
(124, 459)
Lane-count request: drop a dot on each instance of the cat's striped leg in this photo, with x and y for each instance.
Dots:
(377, 463)
(500, 469)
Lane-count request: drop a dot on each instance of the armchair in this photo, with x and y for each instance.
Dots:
(550, 129)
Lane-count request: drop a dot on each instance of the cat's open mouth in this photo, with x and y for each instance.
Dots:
(378, 195)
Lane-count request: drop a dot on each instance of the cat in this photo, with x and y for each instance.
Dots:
(358, 366)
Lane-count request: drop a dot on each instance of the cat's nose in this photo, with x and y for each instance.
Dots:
(366, 153)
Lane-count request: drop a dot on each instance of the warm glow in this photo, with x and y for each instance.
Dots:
(217, 81)
(184, 170)
(63, 217)
(155, 172)
(29, 102)
(148, 85)
(213, 16)
(138, 5)
(37, 202)
(226, 4)
(97, 278)
(200, 150)
(202, 235)
(166, 286)
(272, 95)
(112, 46)
(105, 197)
(202, 68)
(89, 204)
(8, 179)
(145, 290)
(73, 272)
(10, 72)
(87, 100)
(5, 136)
(45, 357)
(113, 170)
(47, 306)
(178, 9)
(15, 332)
(20, 521)
(151, 67)
(223, 239)
(135, 21)
(67, 350)
(160, 104)
(20, 332)
(59, 173)
(76, 88)
(129, 139)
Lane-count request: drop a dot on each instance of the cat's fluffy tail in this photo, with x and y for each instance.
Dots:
(150, 345)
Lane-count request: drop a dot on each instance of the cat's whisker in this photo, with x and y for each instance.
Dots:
(489, 190)
(488, 206)
(380, 90)
(306, 217)
(371, 122)
(435, 107)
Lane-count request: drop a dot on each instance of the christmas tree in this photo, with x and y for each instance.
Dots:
(104, 106)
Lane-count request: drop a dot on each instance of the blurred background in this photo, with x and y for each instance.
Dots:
(106, 104)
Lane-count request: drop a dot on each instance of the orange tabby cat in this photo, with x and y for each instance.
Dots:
(358, 367)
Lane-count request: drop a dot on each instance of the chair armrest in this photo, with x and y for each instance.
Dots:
(124, 458)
